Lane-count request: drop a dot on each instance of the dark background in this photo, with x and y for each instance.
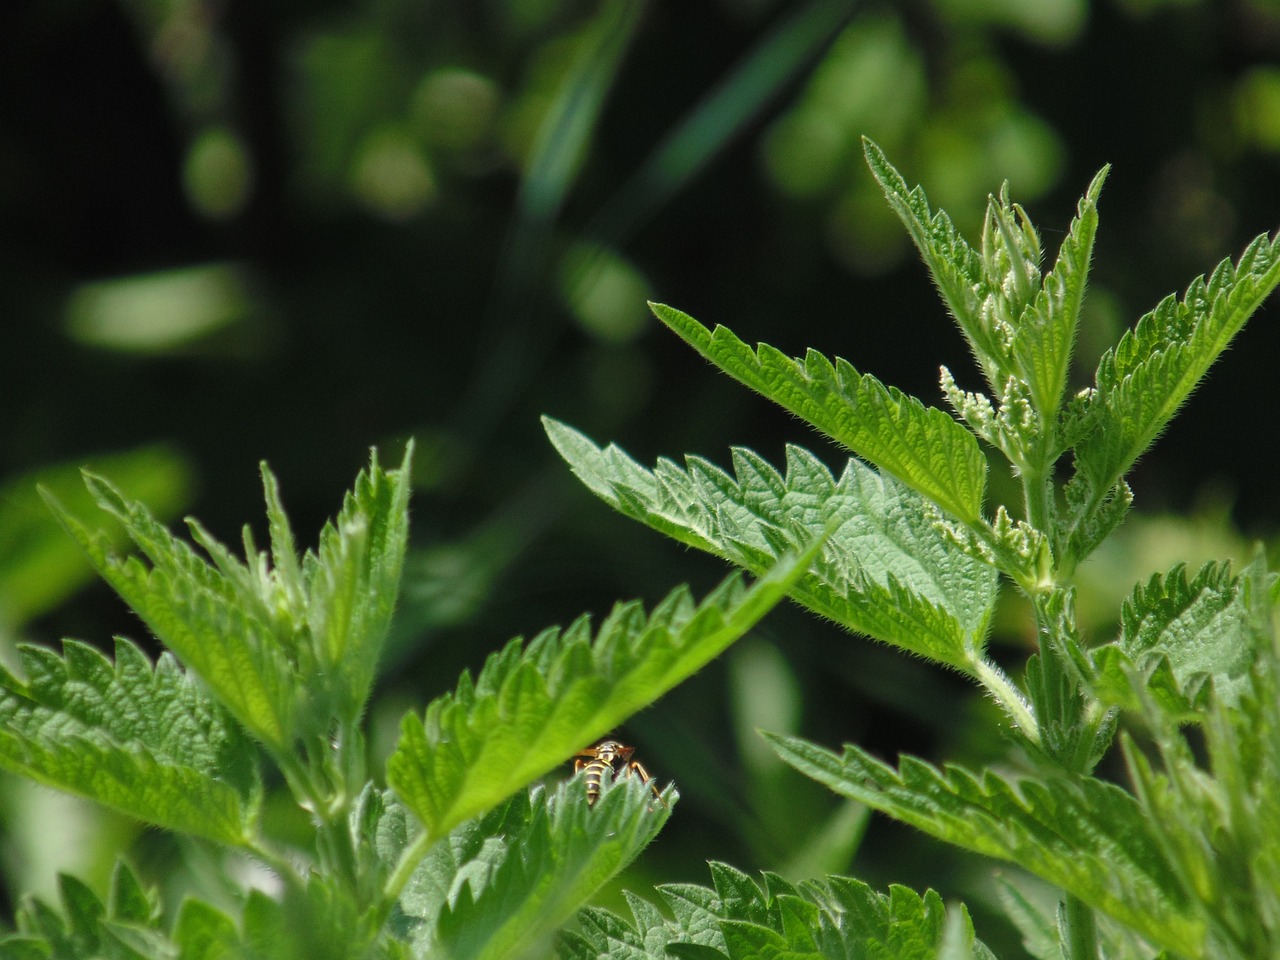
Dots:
(381, 247)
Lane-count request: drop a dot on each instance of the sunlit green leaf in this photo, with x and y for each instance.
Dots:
(518, 886)
(533, 706)
(1045, 333)
(39, 565)
(956, 267)
(1143, 381)
(1175, 634)
(146, 741)
(922, 446)
(283, 649)
(1089, 837)
(741, 919)
(887, 569)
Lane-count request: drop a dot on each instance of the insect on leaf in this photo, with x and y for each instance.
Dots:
(533, 706)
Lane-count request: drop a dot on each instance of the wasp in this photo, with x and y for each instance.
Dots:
(611, 758)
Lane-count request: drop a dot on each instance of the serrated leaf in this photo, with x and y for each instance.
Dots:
(353, 579)
(956, 267)
(145, 741)
(1045, 333)
(196, 612)
(1089, 837)
(284, 650)
(1142, 382)
(1175, 632)
(39, 566)
(922, 446)
(547, 861)
(1216, 797)
(533, 707)
(888, 569)
(744, 920)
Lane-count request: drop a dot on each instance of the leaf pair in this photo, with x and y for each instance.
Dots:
(288, 647)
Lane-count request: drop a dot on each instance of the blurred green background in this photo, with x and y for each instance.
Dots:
(236, 231)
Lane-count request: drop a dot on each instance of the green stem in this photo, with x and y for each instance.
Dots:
(1037, 498)
(1004, 692)
(1081, 933)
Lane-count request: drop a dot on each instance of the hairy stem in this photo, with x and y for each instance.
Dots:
(1005, 693)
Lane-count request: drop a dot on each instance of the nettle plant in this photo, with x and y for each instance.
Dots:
(455, 849)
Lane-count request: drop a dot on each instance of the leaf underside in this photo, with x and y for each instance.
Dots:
(1089, 837)
(886, 570)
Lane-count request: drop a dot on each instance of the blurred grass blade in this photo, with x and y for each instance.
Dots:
(721, 115)
(552, 165)
(564, 132)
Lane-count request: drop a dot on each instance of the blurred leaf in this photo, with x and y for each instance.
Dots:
(39, 565)
(127, 927)
(159, 312)
(721, 114)
(218, 173)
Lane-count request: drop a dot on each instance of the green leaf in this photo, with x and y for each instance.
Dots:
(1175, 633)
(1089, 837)
(286, 650)
(86, 928)
(743, 920)
(198, 612)
(39, 566)
(203, 932)
(956, 267)
(1036, 924)
(887, 570)
(922, 446)
(532, 707)
(555, 852)
(1216, 797)
(353, 580)
(1142, 382)
(148, 742)
(130, 902)
(1045, 333)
